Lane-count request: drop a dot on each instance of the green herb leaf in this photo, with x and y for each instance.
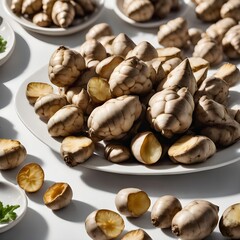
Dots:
(3, 44)
(7, 213)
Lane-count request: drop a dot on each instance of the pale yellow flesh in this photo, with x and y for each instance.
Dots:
(110, 223)
(30, 177)
(54, 191)
(138, 203)
(36, 89)
(73, 144)
(7, 144)
(151, 149)
(98, 89)
(233, 216)
(134, 235)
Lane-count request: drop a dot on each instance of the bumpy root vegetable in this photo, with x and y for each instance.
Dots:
(121, 45)
(162, 8)
(137, 234)
(169, 66)
(181, 76)
(231, 42)
(12, 153)
(106, 124)
(174, 33)
(87, 5)
(139, 11)
(116, 153)
(195, 35)
(98, 31)
(208, 49)
(231, 9)
(58, 196)
(143, 51)
(132, 202)
(104, 224)
(218, 29)
(146, 148)
(105, 68)
(216, 123)
(30, 177)
(214, 88)
(66, 121)
(167, 53)
(31, 6)
(196, 220)
(16, 6)
(63, 13)
(47, 6)
(163, 211)
(229, 223)
(36, 89)
(75, 150)
(42, 19)
(229, 73)
(131, 76)
(191, 149)
(65, 66)
(168, 109)
(49, 104)
(98, 89)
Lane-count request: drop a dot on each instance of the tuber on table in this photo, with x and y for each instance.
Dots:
(138, 234)
(99, 30)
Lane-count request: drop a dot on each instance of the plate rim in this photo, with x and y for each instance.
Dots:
(55, 31)
(94, 162)
(7, 226)
(150, 24)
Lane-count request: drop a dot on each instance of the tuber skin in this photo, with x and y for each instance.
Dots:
(139, 11)
(31, 7)
(121, 45)
(214, 88)
(117, 153)
(65, 66)
(163, 211)
(174, 33)
(231, 9)
(191, 149)
(16, 6)
(216, 123)
(12, 154)
(229, 224)
(66, 121)
(63, 13)
(87, 5)
(132, 202)
(131, 76)
(170, 111)
(167, 53)
(231, 42)
(114, 118)
(168, 66)
(42, 19)
(47, 6)
(162, 8)
(196, 220)
(47, 105)
(195, 34)
(208, 49)
(98, 31)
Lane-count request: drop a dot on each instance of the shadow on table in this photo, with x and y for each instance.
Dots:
(18, 61)
(207, 184)
(5, 96)
(32, 226)
(7, 129)
(76, 211)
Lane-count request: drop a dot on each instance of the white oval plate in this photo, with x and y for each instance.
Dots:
(54, 31)
(39, 129)
(8, 35)
(12, 195)
(118, 8)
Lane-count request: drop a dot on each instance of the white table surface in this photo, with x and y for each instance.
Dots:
(91, 189)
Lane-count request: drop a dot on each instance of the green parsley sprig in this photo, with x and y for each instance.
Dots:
(7, 213)
(3, 44)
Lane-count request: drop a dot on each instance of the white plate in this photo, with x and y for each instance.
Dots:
(39, 129)
(12, 195)
(54, 31)
(118, 8)
(8, 35)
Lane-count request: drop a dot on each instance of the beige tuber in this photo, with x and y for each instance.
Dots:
(138, 234)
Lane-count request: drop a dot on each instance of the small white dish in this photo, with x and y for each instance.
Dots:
(56, 31)
(8, 35)
(118, 8)
(12, 195)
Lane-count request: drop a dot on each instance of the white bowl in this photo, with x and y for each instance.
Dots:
(12, 195)
(7, 34)
(56, 31)
(153, 23)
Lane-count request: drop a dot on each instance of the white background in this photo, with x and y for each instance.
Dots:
(91, 189)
